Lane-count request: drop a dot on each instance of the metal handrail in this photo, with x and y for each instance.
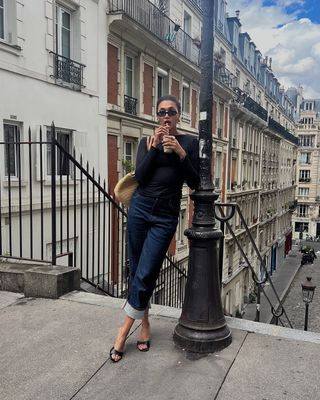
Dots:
(225, 219)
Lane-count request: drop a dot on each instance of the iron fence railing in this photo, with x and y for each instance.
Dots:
(57, 210)
(68, 71)
(158, 23)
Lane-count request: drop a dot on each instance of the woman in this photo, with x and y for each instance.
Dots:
(163, 164)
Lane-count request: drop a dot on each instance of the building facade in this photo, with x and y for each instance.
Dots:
(54, 72)
(306, 219)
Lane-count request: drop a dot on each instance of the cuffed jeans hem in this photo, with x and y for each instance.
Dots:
(133, 312)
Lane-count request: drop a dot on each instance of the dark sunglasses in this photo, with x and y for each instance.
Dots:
(171, 113)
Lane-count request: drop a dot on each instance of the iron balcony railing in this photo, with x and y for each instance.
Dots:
(158, 23)
(254, 107)
(68, 70)
(55, 209)
(281, 130)
(244, 99)
(223, 75)
(130, 105)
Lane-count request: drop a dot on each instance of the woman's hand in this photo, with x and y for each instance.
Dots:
(171, 143)
(158, 135)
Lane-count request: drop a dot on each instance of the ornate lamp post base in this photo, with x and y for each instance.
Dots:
(197, 341)
(202, 327)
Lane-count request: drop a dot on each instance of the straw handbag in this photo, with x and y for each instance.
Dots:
(128, 184)
(125, 188)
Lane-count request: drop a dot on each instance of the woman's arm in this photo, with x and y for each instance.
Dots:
(145, 162)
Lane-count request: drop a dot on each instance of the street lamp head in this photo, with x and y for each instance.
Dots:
(308, 290)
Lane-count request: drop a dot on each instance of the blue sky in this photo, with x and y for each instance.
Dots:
(289, 32)
(306, 9)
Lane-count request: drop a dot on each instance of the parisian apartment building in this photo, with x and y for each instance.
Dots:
(96, 68)
(306, 219)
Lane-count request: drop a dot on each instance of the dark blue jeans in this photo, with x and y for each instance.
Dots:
(150, 230)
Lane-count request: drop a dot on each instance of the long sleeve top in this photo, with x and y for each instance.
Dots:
(161, 175)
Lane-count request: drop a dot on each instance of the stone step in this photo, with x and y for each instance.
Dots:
(38, 280)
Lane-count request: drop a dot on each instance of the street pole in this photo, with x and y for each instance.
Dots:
(202, 327)
(306, 317)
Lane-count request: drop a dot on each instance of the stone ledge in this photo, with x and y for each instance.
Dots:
(39, 280)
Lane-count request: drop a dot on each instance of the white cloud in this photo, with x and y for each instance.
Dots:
(292, 43)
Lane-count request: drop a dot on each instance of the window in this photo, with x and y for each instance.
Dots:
(220, 119)
(64, 138)
(301, 227)
(128, 155)
(303, 192)
(162, 81)
(185, 101)
(129, 65)
(63, 32)
(304, 175)
(305, 158)
(303, 210)
(182, 227)
(2, 13)
(306, 141)
(217, 170)
(187, 38)
(12, 150)
(309, 106)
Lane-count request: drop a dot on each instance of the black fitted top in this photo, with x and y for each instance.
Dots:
(161, 175)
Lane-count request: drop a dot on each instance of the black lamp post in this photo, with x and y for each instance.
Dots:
(307, 296)
(202, 327)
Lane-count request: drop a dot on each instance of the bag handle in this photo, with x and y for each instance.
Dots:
(149, 142)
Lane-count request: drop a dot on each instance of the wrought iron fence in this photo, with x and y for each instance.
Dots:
(57, 210)
(158, 23)
(223, 75)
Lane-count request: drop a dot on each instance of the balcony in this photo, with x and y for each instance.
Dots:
(68, 71)
(305, 180)
(130, 105)
(151, 18)
(255, 108)
(223, 75)
(279, 129)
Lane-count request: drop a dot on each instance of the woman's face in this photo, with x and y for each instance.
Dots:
(168, 114)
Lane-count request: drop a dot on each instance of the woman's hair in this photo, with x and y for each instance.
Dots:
(170, 97)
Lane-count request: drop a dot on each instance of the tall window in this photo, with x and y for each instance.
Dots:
(187, 29)
(220, 119)
(129, 65)
(11, 150)
(186, 100)
(63, 32)
(305, 158)
(304, 175)
(128, 156)
(217, 170)
(162, 81)
(64, 138)
(2, 13)
(303, 210)
(181, 238)
(303, 192)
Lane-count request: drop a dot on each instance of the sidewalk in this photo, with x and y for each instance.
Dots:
(59, 350)
(282, 279)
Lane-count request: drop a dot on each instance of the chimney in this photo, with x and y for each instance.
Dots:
(238, 13)
(270, 62)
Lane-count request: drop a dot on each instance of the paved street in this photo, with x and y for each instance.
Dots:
(294, 305)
